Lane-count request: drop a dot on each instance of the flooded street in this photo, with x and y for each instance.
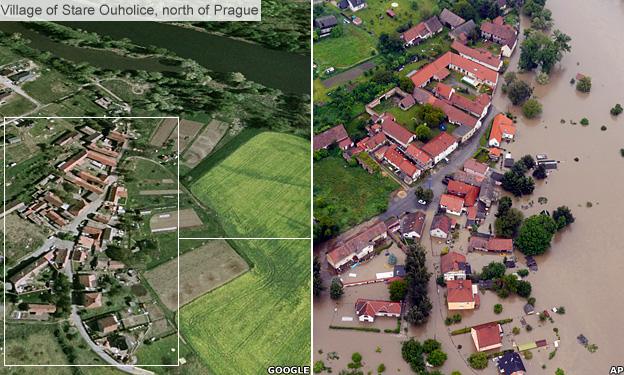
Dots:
(582, 270)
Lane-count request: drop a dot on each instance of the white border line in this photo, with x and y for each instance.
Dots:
(12, 119)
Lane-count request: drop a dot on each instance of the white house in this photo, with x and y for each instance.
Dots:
(356, 5)
(367, 309)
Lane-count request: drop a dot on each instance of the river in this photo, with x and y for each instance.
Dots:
(286, 71)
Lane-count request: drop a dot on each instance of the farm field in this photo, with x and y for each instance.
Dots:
(168, 221)
(259, 318)
(164, 131)
(349, 195)
(22, 237)
(35, 344)
(201, 270)
(275, 167)
(203, 145)
(352, 47)
(188, 131)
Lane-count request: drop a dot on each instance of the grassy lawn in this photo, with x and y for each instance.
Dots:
(16, 105)
(354, 46)
(350, 195)
(22, 237)
(376, 20)
(275, 167)
(320, 92)
(122, 89)
(29, 344)
(260, 318)
(50, 86)
(7, 56)
(160, 352)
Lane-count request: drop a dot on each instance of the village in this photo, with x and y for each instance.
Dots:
(72, 275)
(453, 191)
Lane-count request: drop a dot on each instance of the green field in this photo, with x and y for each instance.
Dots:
(29, 344)
(49, 87)
(353, 46)
(259, 185)
(348, 195)
(261, 318)
(376, 20)
(16, 105)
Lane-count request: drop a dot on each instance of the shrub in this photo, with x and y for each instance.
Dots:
(515, 331)
(603, 128)
(319, 366)
(527, 354)
(615, 111)
(584, 121)
(498, 308)
(532, 108)
(437, 358)
(381, 368)
(584, 84)
(529, 328)
(523, 272)
(478, 360)
(336, 289)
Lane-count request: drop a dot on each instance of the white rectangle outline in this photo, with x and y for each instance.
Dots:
(120, 366)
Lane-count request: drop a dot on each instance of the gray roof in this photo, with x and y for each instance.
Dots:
(467, 27)
(462, 130)
(326, 21)
(433, 24)
(511, 362)
(449, 18)
(355, 3)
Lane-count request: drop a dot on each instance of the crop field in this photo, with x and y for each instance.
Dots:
(349, 195)
(354, 46)
(168, 221)
(201, 270)
(164, 131)
(188, 131)
(275, 167)
(259, 318)
(205, 143)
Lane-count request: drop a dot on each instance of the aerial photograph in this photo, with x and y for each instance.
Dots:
(466, 159)
(157, 195)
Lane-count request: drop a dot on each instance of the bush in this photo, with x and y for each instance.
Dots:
(584, 84)
(542, 78)
(336, 289)
(532, 108)
(498, 308)
(515, 331)
(529, 328)
(615, 111)
(319, 366)
(523, 272)
(381, 368)
(437, 358)
(535, 234)
(527, 354)
(478, 360)
(584, 121)
(430, 345)
(519, 91)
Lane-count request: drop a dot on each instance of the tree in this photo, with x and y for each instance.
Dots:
(423, 133)
(519, 91)
(437, 358)
(507, 225)
(429, 345)
(465, 10)
(528, 161)
(398, 290)
(478, 361)
(424, 194)
(389, 44)
(498, 308)
(381, 368)
(540, 172)
(559, 371)
(517, 184)
(494, 270)
(417, 277)
(504, 204)
(317, 280)
(584, 84)
(535, 234)
(523, 288)
(411, 351)
(532, 108)
(616, 110)
(336, 289)
(541, 50)
(337, 31)
(430, 115)
(563, 217)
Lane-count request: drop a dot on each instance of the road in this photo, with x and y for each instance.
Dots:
(397, 207)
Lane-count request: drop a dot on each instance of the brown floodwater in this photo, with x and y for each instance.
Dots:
(580, 271)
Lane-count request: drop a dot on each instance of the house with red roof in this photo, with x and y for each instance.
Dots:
(453, 266)
(436, 70)
(373, 143)
(394, 130)
(418, 156)
(443, 91)
(441, 226)
(368, 309)
(337, 134)
(477, 107)
(503, 129)
(487, 336)
(453, 204)
(480, 56)
(356, 248)
(412, 224)
(424, 30)
(461, 295)
(440, 147)
(500, 245)
(501, 33)
(396, 159)
(470, 193)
